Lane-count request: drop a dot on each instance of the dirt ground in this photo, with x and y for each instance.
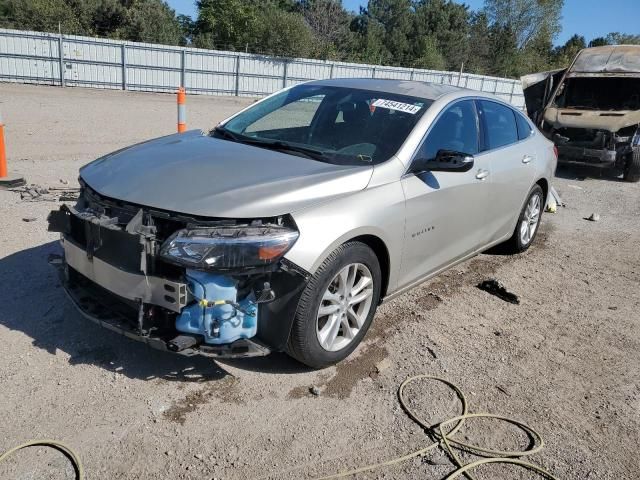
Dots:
(566, 360)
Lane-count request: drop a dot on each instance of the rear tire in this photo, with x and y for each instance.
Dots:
(632, 167)
(521, 240)
(347, 289)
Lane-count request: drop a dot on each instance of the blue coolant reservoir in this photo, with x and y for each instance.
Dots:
(221, 323)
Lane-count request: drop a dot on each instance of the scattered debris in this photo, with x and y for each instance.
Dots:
(314, 391)
(494, 287)
(64, 182)
(594, 217)
(435, 295)
(37, 193)
(29, 219)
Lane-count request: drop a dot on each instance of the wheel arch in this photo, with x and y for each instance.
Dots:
(382, 253)
(544, 184)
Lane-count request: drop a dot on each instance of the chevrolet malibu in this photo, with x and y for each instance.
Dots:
(287, 225)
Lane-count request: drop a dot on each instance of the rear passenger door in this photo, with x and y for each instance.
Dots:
(512, 157)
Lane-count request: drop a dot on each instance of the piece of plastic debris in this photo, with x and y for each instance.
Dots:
(314, 391)
(494, 287)
(594, 217)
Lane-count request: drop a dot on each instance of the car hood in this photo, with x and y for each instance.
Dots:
(611, 121)
(196, 174)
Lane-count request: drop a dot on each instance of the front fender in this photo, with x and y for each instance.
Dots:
(378, 211)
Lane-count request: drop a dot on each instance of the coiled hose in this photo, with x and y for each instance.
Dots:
(68, 452)
(448, 443)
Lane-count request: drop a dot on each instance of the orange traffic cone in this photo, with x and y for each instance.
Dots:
(6, 180)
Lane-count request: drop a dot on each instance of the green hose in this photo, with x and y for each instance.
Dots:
(448, 443)
(68, 451)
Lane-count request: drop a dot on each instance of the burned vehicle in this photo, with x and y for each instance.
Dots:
(591, 110)
(284, 227)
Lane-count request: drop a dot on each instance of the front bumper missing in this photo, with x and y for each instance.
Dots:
(112, 276)
(98, 308)
(132, 286)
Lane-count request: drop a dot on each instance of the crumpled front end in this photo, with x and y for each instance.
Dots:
(219, 287)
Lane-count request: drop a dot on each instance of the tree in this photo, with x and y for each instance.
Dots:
(526, 18)
(394, 21)
(329, 22)
(598, 42)
(479, 59)
(617, 38)
(428, 55)
(152, 21)
(566, 53)
(226, 24)
(447, 25)
(284, 33)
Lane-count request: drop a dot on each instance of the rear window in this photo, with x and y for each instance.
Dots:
(500, 125)
(524, 127)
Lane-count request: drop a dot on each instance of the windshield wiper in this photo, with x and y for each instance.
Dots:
(226, 133)
(274, 145)
(280, 145)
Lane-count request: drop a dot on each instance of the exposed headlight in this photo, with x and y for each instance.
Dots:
(227, 248)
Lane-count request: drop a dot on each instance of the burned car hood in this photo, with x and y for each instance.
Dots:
(196, 174)
(611, 121)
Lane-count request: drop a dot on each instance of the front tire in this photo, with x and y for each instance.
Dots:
(632, 167)
(336, 307)
(528, 222)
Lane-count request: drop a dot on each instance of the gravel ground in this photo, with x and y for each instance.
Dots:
(566, 360)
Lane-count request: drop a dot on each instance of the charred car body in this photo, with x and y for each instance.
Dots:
(284, 227)
(591, 110)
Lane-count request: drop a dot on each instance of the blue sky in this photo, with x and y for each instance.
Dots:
(590, 18)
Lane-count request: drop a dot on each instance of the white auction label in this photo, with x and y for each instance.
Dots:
(391, 105)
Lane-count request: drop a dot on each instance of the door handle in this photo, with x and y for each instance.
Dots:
(482, 174)
(527, 159)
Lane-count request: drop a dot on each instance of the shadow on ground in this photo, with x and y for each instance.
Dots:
(580, 173)
(34, 303)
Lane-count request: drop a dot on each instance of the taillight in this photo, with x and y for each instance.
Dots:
(555, 151)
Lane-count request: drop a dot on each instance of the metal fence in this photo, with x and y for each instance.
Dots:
(69, 60)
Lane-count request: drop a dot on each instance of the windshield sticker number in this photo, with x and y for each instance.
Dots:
(391, 105)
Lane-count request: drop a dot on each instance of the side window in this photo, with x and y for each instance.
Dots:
(500, 125)
(456, 129)
(524, 128)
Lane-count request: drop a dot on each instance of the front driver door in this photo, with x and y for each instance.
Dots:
(446, 212)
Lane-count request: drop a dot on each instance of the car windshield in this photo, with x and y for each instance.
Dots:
(331, 124)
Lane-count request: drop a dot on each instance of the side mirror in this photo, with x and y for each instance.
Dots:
(445, 161)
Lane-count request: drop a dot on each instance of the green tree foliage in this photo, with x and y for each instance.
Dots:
(137, 20)
(526, 19)
(617, 38)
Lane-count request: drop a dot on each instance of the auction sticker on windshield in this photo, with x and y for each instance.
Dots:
(391, 105)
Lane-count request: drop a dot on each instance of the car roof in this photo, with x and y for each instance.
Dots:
(607, 59)
(426, 90)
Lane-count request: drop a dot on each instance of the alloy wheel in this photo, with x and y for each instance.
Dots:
(344, 307)
(529, 223)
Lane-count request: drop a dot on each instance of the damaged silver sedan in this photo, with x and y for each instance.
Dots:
(285, 227)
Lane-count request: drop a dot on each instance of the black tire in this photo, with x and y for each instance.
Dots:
(303, 343)
(515, 244)
(632, 167)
